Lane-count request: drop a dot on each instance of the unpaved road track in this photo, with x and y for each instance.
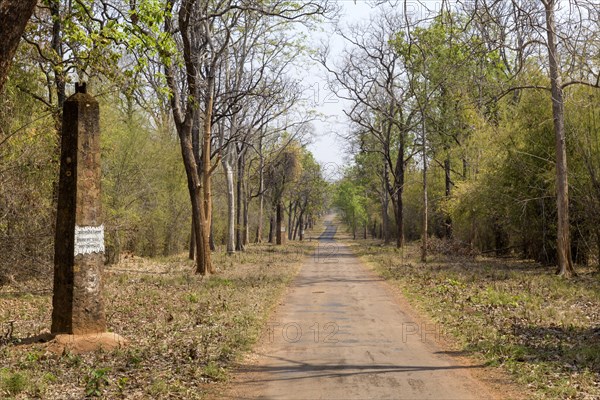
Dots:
(340, 333)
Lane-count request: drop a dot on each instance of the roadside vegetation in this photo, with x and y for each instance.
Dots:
(515, 314)
(185, 331)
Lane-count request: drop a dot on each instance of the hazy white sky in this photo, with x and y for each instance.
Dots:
(328, 147)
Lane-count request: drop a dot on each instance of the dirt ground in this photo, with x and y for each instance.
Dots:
(342, 333)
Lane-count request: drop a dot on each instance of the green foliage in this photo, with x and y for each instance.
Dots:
(214, 372)
(96, 380)
(144, 186)
(12, 383)
(28, 177)
(350, 199)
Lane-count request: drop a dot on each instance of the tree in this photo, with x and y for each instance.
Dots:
(565, 262)
(193, 45)
(14, 15)
(565, 46)
(350, 200)
(282, 171)
(371, 78)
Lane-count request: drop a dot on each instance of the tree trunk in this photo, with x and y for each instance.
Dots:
(206, 263)
(211, 238)
(385, 205)
(199, 185)
(398, 191)
(58, 67)
(192, 252)
(565, 263)
(193, 179)
(598, 246)
(301, 223)
(231, 209)
(271, 228)
(14, 15)
(245, 235)
(399, 220)
(448, 183)
(261, 196)
(425, 198)
(279, 223)
(298, 225)
(240, 195)
(290, 221)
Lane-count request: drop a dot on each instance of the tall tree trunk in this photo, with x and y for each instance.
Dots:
(271, 228)
(290, 220)
(448, 184)
(598, 246)
(398, 192)
(239, 245)
(297, 224)
(279, 223)
(14, 15)
(399, 219)
(58, 66)
(211, 238)
(261, 196)
(425, 198)
(385, 205)
(206, 263)
(192, 252)
(231, 209)
(565, 263)
(245, 234)
(301, 223)
(197, 155)
(194, 186)
(199, 185)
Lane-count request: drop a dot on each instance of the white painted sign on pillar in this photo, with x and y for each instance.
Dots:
(89, 239)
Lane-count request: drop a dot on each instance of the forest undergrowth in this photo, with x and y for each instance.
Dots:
(185, 331)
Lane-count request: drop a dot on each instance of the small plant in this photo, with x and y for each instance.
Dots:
(96, 381)
(121, 384)
(213, 372)
(72, 360)
(192, 297)
(134, 359)
(12, 383)
(49, 377)
(158, 387)
(217, 281)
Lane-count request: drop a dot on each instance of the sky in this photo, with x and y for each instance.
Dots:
(327, 146)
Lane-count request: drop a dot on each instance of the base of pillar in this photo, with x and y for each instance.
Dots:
(78, 344)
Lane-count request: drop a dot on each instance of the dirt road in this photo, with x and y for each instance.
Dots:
(340, 333)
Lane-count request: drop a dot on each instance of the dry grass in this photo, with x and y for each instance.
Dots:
(185, 331)
(543, 329)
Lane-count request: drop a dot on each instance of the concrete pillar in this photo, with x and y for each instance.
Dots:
(79, 242)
